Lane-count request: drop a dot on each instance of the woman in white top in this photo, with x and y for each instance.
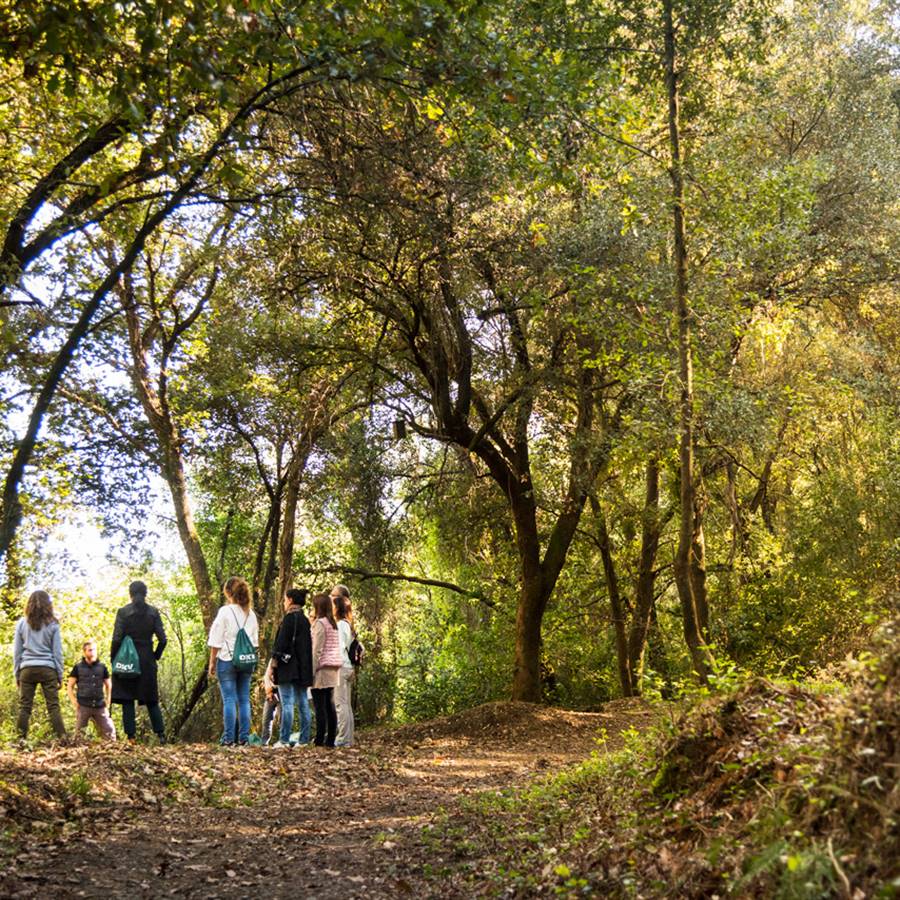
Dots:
(343, 693)
(234, 685)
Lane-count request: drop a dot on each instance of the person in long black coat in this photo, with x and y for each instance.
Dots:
(141, 622)
(291, 666)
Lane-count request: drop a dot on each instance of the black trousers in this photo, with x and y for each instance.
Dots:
(129, 722)
(326, 716)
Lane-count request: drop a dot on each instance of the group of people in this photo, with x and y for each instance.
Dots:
(38, 661)
(310, 655)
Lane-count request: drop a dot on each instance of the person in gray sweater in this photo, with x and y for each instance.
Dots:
(38, 660)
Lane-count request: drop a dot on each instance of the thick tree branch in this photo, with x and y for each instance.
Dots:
(366, 575)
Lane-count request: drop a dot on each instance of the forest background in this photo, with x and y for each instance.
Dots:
(565, 333)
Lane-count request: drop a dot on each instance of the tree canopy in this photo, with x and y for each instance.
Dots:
(567, 334)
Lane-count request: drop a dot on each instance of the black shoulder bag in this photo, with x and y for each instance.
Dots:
(285, 658)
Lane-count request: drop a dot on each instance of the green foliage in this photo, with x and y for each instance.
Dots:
(452, 659)
(79, 786)
(508, 157)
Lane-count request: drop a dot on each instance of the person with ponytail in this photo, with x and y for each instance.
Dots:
(234, 684)
(38, 660)
(326, 651)
(141, 622)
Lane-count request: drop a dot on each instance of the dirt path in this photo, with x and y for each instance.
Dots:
(195, 821)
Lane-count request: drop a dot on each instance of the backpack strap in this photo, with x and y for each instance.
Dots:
(231, 649)
(246, 618)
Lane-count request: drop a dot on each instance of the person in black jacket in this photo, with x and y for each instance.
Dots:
(291, 666)
(141, 622)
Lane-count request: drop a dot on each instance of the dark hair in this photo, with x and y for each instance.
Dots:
(297, 596)
(39, 610)
(239, 591)
(343, 609)
(324, 608)
(88, 641)
(137, 589)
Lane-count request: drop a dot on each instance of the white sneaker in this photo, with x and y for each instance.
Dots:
(280, 745)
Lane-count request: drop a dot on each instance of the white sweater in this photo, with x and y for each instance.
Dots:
(345, 633)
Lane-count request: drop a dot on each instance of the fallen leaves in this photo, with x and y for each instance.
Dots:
(194, 821)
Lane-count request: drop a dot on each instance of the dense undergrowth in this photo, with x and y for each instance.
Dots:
(764, 790)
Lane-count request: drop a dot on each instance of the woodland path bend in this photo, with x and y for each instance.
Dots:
(196, 821)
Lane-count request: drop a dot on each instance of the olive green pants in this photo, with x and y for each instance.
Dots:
(29, 679)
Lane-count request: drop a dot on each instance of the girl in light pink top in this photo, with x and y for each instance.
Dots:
(326, 653)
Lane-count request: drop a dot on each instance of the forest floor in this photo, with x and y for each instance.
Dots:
(199, 821)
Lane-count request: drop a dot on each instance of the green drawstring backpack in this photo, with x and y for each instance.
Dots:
(244, 656)
(127, 663)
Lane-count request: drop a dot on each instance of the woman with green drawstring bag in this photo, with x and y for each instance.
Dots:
(233, 642)
(135, 682)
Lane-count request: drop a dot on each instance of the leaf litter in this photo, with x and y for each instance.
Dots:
(197, 821)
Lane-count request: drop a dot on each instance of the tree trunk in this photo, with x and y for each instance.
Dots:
(698, 567)
(616, 603)
(684, 562)
(172, 464)
(266, 592)
(289, 520)
(187, 530)
(180, 720)
(738, 530)
(13, 590)
(530, 612)
(651, 528)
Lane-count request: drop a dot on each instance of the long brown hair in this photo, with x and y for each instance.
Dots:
(39, 610)
(343, 609)
(324, 608)
(239, 591)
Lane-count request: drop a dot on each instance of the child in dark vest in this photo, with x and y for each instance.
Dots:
(89, 688)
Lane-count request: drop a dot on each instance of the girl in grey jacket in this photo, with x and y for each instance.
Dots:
(38, 660)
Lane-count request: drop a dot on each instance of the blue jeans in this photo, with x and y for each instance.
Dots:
(234, 687)
(292, 693)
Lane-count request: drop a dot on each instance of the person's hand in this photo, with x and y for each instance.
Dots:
(211, 672)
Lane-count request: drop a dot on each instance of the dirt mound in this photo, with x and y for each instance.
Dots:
(802, 786)
(772, 789)
(857, 791)
(511, 724)
(53, 789)
(726, 744)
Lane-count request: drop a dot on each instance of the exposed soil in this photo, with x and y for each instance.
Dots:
(200, 821)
